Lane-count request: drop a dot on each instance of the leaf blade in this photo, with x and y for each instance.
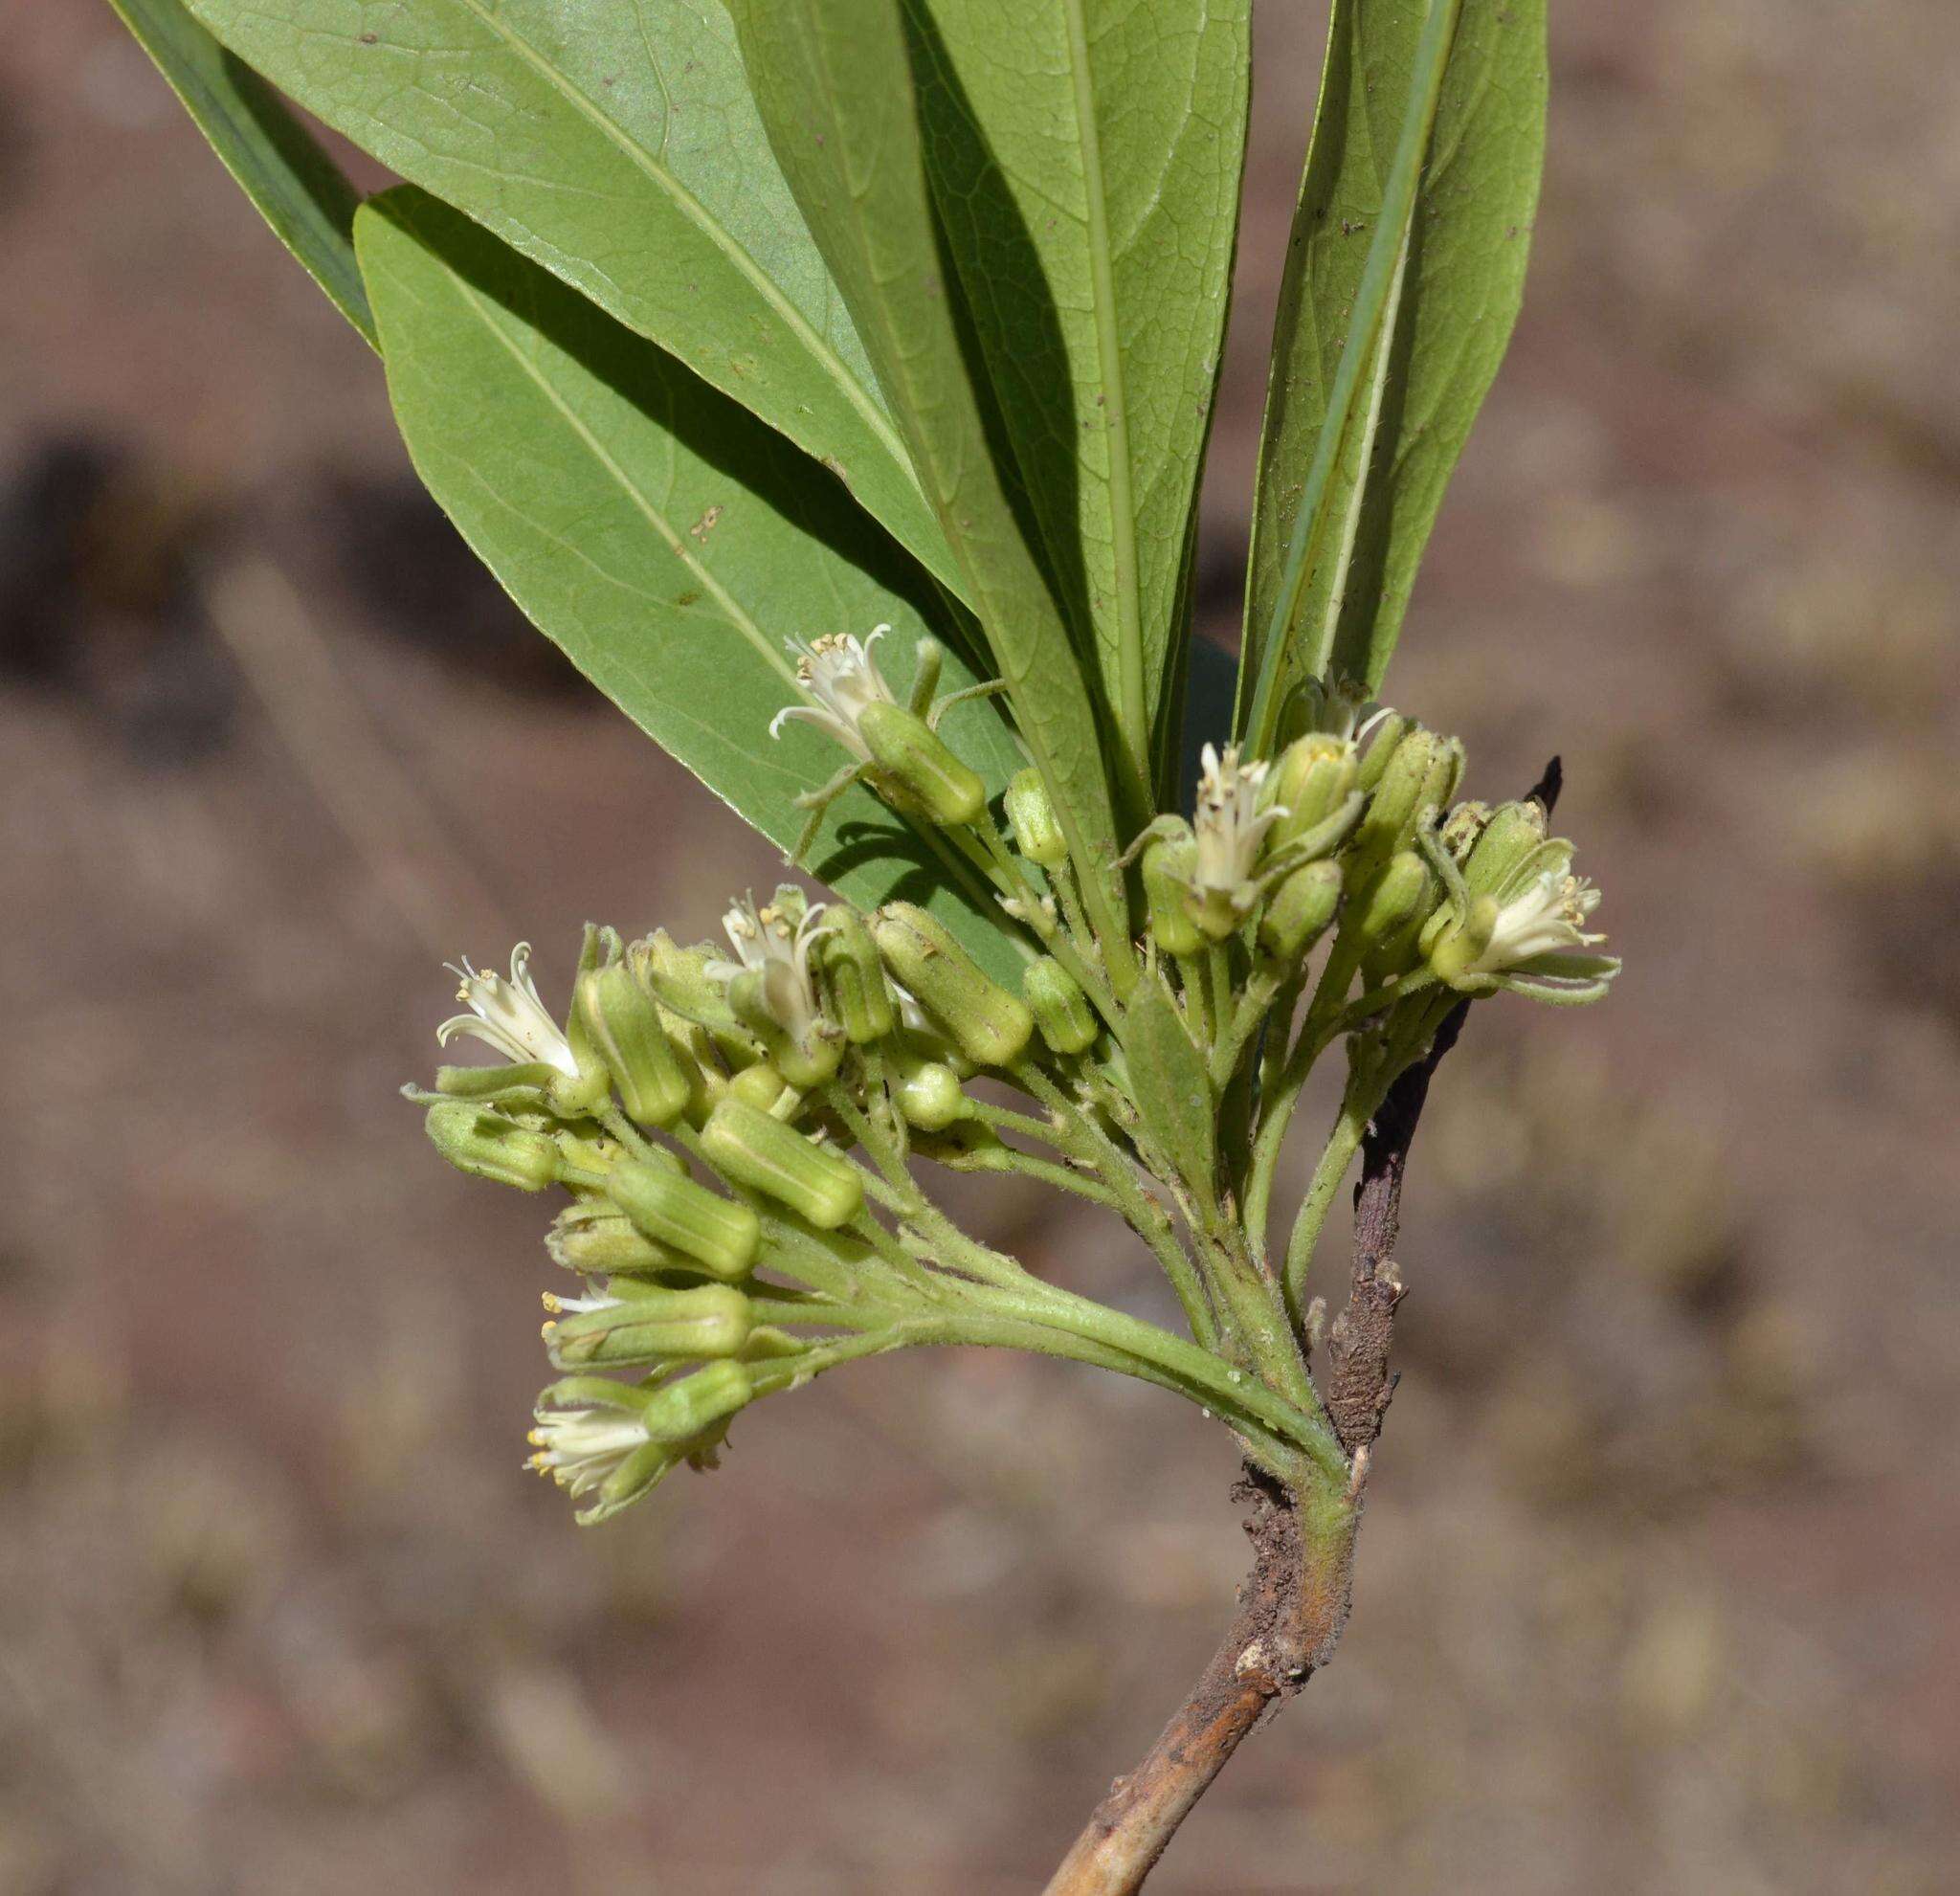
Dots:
(1461, 287)
(655, 533)
(294, 185)
(853, 155)
(572, 132)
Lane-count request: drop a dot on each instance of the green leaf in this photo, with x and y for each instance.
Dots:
(835, 83)
(1085, 159)
(298, 188)
(662, 537)
(1174, 1091)
(1450, 305)
(616, 145)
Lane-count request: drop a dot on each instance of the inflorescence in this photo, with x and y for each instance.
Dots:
(733, 1129)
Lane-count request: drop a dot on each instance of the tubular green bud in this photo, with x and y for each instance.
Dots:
(987, 1023)
(1445, 773)
(1514, 831)
(749, 1147)
(1169, 866)
(759, 1085)
(1061, 1009)
(1458, 831)
(1311, 780)
(679, 981)
(721, 1235)
(858, 994)
(1300, 911)
(914, 757)
(596, 1240)
(530, 1080)
(679, 1411)
(1031, 816)
(926, 1092)
(1384, 739)
(1388, 897)
(655, 1325)
(1462, 943)
(1390, 820)
(622, 1022)
(485, 1144)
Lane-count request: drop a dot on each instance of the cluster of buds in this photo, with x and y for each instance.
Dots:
(698, 1107)
(1356, 829)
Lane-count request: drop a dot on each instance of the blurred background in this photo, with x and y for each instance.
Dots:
(1656, 1589)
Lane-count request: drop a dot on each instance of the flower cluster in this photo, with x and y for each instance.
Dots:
(733, 1127)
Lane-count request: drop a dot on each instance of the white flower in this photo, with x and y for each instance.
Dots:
(768, 943)
(1229, 822)
(508, 1014)
(579, 1448)
(842, 680)
(1544, 915)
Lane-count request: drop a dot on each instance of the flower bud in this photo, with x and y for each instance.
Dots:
(678, 979)
(859, 995)
(679, 1411)
(1031, 816)
(1388, 897)
(621, 1021)
(596, 1240)
(1311, 780)
(485, 1144)
(1061, 1009)
(804, 1062)
(1398, 799)
(721, 1235)
(1445, 773)
(987, 1023)
(1385, 735)
(926, 1092)
(1458, 831)
(1300, 909)
(1461, 942)
(1169, 866)
(657, 1325)
(530, 1080)
(911, 755)
(749, 1147)
(759, 1085)
(1514, 831)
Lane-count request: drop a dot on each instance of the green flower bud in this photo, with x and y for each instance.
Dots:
(807, 1061)
(1169, 866)
(1460, 945)
(657, 1325)
(1031, 816)
(1300, 911)
(678, 979)
(486, 1145)
(987, 1023)
(749, 1147)
(1388, 897)
(926, 1092)
(1061, 1009)
(679, 1411)
(596, 1240)
(1445, 773)
(528, 1081)
(1514, 831)
(621, 1021)
(1311, 780)
(1384, 738)
(860, 997)
(1398, 799)
(721, 1235)
(912, 756)
(759, 1085)
(1460, 830)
